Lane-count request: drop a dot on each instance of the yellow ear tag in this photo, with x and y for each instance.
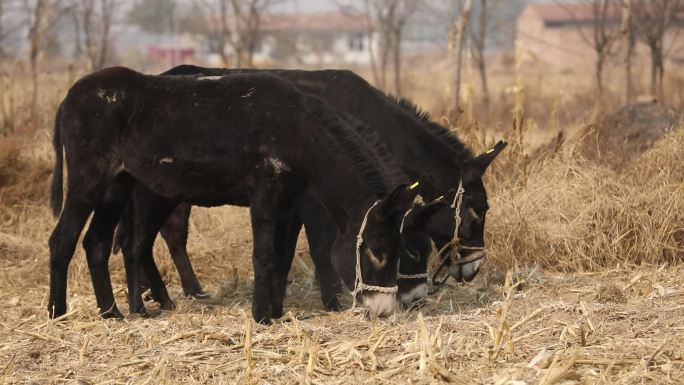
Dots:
(490, 151)
(414, 185)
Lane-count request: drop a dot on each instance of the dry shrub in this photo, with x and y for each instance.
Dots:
(574, 215)
(620, 137)
(663, 162)
(23, 176)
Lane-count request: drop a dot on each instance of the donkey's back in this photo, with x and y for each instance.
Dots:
(183, 134)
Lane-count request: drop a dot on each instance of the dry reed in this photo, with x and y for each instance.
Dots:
(581, 286)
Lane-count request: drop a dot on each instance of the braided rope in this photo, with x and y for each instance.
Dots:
(456, 205)
(455, 255)
(359, 285)
(415, 257)
(401, 232)
(412, 276)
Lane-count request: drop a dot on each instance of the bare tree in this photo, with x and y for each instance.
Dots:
(628, 37)
(486, 12)
(652, 19)
(2, 26)
(605, 30)
(390, 18)
(3, 34)
(247, 18)
(239, 25)
(223, 32)
(106, 15)
(40, 17)
(405, 9)
(457, 42)
(8, 23)
(92, 25)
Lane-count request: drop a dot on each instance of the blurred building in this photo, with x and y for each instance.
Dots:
(317, 39)
(561, 36)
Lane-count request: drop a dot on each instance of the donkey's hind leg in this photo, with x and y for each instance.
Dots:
(288, 226)
(264, 213)
(86, 185)
(175, 234)
(150, 211)
(98, 243)
(62, 247)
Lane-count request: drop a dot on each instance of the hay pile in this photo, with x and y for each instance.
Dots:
(574, 215)
(582, 286)
(618, 138)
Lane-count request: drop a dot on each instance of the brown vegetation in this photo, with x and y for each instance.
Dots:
(582, 284)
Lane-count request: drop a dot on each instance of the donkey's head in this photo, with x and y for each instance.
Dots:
(413, 260)
(378, 250)
(462, 223)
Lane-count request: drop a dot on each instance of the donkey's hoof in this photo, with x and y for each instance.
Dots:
(262, 318)
(167, 304)
(147, 296)
(199, 295)
(112, 313)
(277, 313)
(140, 313)
(333, 305)
(56, 311)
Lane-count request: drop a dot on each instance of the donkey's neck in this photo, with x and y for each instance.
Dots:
(420, 149)
(342, 173)
(343, 191)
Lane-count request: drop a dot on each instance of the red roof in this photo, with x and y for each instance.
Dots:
(335, 21)
(559, 13)
(316, 22)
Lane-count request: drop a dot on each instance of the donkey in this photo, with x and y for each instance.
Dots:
(249, 139)
(418, 145)
(321, 230)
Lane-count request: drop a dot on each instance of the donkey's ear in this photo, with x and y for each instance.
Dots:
(476, 167)
(420, 215)
(399, 200)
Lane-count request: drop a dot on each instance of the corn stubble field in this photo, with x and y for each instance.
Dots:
(583, 282)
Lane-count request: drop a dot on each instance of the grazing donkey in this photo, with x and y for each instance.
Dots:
(417, 145)
(249, 139)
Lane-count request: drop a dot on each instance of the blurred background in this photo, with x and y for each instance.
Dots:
(450, 56)
(587, 201)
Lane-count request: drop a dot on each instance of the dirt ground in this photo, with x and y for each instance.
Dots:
(583, 283)
(529, 326)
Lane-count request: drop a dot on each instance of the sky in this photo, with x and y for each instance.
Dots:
(321, 5)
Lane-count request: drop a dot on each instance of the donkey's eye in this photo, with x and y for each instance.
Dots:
(474, 214)
(378, 261)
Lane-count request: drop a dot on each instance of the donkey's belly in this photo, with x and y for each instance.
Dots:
(200, 180)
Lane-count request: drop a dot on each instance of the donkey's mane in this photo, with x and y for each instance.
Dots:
(433, 128)
(378, 150)
(343, 132)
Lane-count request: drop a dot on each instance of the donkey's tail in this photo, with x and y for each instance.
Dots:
(123, 228)
(57, 193)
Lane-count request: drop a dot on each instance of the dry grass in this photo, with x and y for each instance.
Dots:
(582, 286)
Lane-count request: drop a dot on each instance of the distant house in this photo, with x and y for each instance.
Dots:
(319, 39)
(170, 55)
(559, 35)
(150, 51)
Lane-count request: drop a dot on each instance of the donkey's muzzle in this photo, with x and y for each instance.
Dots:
(465, 269)
(378, 304)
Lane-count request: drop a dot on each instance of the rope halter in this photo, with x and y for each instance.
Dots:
(359, 285)
(455, 255)
(415, 257)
